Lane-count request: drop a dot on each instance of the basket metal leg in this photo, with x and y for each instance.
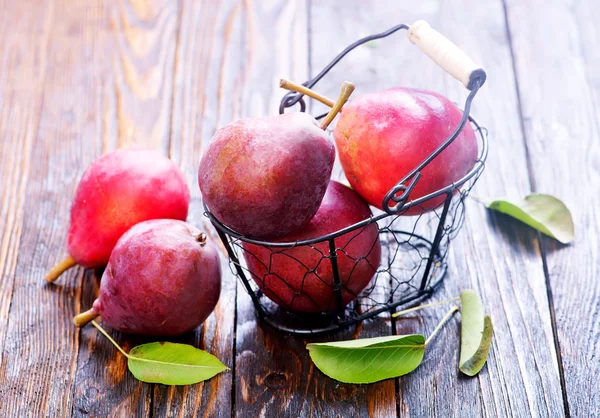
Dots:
(240, 272)
(436, 242)
(337, 282)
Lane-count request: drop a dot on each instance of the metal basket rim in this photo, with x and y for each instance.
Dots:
(477, 169)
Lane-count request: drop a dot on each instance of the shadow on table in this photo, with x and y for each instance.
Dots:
(521, 236)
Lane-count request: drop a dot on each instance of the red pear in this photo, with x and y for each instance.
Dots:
(163, 278)
(382, 136)
(301, 278)
(117, 191)
(265, 177)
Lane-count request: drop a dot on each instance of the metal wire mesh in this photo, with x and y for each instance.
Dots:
(334, 281)
(295, 288)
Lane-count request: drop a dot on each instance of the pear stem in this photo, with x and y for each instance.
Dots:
(290, 85)
(347, 89)
(60, 268)
(85, 317)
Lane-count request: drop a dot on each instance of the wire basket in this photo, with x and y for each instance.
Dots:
(413, 255)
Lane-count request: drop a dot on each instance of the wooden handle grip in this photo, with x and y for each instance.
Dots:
(445, 54)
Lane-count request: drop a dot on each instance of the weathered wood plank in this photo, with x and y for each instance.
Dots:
(274, 374)
(40, 353)
(557, 72)
(206, 91)
(496, 254)
(132, 100)
(371, 67)
(269, 366)
(23, 53)
(500, 257)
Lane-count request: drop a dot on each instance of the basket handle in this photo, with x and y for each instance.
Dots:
(447, 55)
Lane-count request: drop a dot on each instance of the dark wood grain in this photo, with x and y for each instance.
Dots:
(23, 50)
(206, 94)
(39, 355)
(274, 374)
(560, 100)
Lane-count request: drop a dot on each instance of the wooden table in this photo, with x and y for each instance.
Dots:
(80, 78)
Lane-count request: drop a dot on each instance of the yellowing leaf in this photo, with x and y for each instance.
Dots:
(473, 365)
(475, 335)
(543, 212)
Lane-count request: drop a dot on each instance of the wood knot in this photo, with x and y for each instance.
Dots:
(275, 380)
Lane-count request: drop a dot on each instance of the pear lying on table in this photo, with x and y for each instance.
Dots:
(118, 190)
(163, 278)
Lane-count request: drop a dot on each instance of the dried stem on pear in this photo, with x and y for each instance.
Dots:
(60, 268)
(85, 317)
(347, 89)
(291, 86)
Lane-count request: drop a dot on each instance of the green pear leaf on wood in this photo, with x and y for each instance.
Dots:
(369, 360)
(168, 363)
(172, 364)
(543, 212)
(475, 335)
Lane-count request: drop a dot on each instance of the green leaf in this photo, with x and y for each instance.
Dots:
(475, 335)
(369, 360)
(473, 365)
(172, 364)
(543, 212)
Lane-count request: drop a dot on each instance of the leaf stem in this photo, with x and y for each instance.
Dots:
(442, 322)
(427, 305)
(99, 328)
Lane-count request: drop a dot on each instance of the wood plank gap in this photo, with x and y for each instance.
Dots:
(151, 407)
(561, 370)
(528, 162)
(234, 354)
(540, 239)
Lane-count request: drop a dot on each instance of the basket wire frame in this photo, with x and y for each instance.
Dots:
(414, 249)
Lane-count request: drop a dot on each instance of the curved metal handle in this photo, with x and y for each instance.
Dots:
(447, 55)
